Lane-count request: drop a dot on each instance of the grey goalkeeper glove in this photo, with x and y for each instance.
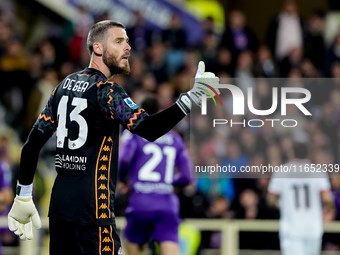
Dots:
(23, 214)
(205, 84)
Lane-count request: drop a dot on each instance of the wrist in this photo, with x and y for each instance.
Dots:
(24, 190)
(184, 102)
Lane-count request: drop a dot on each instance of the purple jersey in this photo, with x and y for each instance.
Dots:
(153, 168)
(5, 175)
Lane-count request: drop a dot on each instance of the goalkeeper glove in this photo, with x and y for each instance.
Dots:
(23, 213)
(205, 84)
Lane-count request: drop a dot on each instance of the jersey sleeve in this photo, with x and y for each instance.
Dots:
(117, 105)
(324, 184)
(46, 122)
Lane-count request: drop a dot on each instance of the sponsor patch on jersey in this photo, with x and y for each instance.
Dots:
(130, 103)
(120, 251)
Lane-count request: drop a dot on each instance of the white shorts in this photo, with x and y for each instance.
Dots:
(300, 246)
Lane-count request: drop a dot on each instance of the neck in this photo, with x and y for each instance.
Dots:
(98, 64)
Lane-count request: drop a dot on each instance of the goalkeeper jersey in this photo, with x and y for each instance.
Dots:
(85, 110)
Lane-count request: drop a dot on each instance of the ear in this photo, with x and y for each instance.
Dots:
(98, 48)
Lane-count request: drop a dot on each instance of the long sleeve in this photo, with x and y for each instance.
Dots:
(153, 127)
(30, 154)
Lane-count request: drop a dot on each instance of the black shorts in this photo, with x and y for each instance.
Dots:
(69, 238)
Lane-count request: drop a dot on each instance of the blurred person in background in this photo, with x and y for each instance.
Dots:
(14, 96)
(81, 24)
(193, 203)
(286, 142)
(152, 170)
(251, 207)
(301, 195)
(157, 63)
(314, 42)
(244, 72)
(209, 26)
(335, 183)
(248, 205)
(85, 110)
(217, 183)
(140, 34)
(330, 128)
(7, 11)
(209, 50)
(223, 62)
(238, 37)
(175, 41)
(251, 143)
(265, 65)
(235, 157)
(332, 56)
(285, 32)
(263, 93)
(35, 66)
(174, 36)
(219, 209)
(291, 62)
(165, 94)
(39, 95)
(149, 84)
(6, 192)
(6, 34)
(14, 59)
(53, 52)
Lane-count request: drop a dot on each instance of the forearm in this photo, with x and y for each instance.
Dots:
(327, 199)
(160, 123)
(30, 154)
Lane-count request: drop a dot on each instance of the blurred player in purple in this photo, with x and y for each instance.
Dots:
(153, 169)
(6, 194)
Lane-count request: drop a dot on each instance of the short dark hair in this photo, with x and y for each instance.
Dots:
(98, 32)
(300, 150)
(150, 104)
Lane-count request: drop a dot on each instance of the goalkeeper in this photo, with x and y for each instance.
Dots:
(85, 110)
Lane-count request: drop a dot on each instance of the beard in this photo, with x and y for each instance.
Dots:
(110, 60)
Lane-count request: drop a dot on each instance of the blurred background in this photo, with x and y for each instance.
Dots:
(43, 41)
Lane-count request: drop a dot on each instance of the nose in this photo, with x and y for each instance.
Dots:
(127, 47)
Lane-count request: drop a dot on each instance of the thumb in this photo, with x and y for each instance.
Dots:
(200, 69)
(36, 220)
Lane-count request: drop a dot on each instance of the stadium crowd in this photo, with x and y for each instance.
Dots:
(162, 63)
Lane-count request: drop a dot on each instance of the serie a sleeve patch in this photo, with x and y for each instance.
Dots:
(130, 103)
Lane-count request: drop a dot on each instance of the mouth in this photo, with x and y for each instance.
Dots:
(126, 58)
